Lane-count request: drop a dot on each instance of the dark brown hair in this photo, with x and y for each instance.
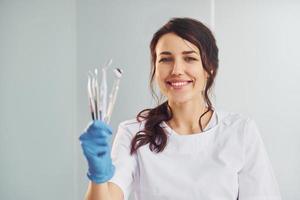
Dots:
(198, 34)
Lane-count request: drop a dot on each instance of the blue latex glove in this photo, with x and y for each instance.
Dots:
(95, 145)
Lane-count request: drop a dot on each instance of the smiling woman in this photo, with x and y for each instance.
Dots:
(179, 71)
(184, 65)
(184, 148)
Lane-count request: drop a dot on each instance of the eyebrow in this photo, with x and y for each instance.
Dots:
(184, 52)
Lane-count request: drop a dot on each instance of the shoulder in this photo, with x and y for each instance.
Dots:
(240, 125)
(243, 124)
(234, 119)
(132, 125)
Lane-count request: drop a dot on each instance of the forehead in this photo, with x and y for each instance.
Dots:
(174, 44)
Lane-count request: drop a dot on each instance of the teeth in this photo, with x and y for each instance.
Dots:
(179, 83)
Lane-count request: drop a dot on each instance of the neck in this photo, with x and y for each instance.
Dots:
(186, 116)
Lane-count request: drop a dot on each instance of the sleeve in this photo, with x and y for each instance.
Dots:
(125, 164)
(256, 178)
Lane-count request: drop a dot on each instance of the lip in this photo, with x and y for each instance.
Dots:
(178, 80)
(184, 83)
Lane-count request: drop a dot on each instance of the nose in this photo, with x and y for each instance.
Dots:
(178, 68)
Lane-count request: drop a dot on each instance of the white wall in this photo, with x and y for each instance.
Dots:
(260, 75)
(37, 99)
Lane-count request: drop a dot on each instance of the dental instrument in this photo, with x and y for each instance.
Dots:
(98, 96)
(90, 95)
(103, 90)
(98, 110)
(113, 95)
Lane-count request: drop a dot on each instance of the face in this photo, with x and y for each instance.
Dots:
(179, 71)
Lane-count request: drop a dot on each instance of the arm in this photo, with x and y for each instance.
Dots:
(256, 179)
(105, 191)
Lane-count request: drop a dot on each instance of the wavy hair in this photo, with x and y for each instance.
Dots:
(198, 34)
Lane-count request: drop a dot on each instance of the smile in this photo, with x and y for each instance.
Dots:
(179, 84)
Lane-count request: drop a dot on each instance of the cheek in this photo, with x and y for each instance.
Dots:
(160, 81)
(161, 74)
(157, 77)
(199, 76)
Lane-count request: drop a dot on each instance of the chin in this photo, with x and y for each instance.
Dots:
(179, 100)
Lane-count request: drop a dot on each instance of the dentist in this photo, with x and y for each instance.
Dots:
(184, 148)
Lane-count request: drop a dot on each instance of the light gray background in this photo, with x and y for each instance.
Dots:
(46, 48)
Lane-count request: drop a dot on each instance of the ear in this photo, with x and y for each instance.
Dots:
(207, 75)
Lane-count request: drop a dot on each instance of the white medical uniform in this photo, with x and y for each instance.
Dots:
(228, 161)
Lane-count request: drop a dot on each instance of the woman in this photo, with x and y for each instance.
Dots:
(183, 149)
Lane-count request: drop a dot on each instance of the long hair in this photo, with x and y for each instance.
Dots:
(198, 34)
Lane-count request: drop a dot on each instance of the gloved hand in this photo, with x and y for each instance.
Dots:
(95, 145)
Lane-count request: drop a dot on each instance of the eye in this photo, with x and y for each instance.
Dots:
(189, 59)
(165, 60)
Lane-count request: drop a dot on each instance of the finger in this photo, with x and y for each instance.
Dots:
(100, 125)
